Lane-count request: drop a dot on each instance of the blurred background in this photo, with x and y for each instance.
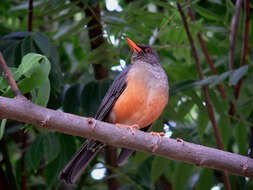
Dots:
(84, 43)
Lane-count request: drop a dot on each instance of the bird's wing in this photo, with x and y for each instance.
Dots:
(74, 168)
(113, 93)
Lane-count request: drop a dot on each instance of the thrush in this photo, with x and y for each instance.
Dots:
(135, 99)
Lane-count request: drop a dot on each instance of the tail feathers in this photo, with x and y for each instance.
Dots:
(124, 155)
(72, 171)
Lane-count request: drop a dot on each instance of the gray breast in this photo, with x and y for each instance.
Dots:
(154, 77)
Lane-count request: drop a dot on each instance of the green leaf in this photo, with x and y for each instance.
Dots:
(43, 93)
(51, 147)
(3, 82)
(92, 96)
(42, 42)
(35, 153)
(185, 108)
(27, 46)
(28, 63)
(241, 137)
(224, 129)
(66, 150)
(159, 165)
(140, 157)
(202, 122)
(205, 81)
(70, 30)
(223, 119)
(3, 123)
(190, 83)
(206, 179)
(143, 175)
(181, 176)
(71, 101)
(37, 76)
(237, 75)
(187, 55)
(207, 14)
(220, 79)
(180, 86)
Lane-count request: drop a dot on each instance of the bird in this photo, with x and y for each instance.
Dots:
(135, 99)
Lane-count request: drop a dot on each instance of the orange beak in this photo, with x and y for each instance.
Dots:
(132, 45)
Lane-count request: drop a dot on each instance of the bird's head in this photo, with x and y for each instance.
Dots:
(144, 53)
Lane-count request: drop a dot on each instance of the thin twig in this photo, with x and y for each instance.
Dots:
(234, 24)
(245, 45)
(206, 53)
(9, 77)
(208, 102)
(95, 32)
(30, 16)
(111, 160)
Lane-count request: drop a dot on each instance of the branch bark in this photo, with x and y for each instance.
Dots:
(233, 31)
(111, 160)
(9, 77)
(206, 95)
(24, 111)
(30, 16)
(245, 45)
(95, 32)
(208, 57)
(234, 24)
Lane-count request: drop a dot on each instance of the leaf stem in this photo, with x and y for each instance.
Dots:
(9, 77)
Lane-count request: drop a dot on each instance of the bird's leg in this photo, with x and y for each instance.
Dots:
(130, 127)
(158, 134)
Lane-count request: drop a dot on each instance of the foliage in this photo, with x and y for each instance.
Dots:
(52, 67)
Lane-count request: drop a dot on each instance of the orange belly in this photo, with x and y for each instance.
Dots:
(139, 104)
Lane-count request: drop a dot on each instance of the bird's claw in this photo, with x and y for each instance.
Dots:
(158, 134)
(130, 127)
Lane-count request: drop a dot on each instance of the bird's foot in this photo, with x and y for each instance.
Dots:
(158, 134)
(130, 127)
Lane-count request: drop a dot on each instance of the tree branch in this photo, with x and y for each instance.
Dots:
(95, 32)
(30, 16)
(245, 45)
(24, 111)
(208, 57)
(201, 76)
(205, 90)
(234, 24)
(9, 77)
(233, 31)
(111, 160)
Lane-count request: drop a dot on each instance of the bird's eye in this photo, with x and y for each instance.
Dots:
(147, 50)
